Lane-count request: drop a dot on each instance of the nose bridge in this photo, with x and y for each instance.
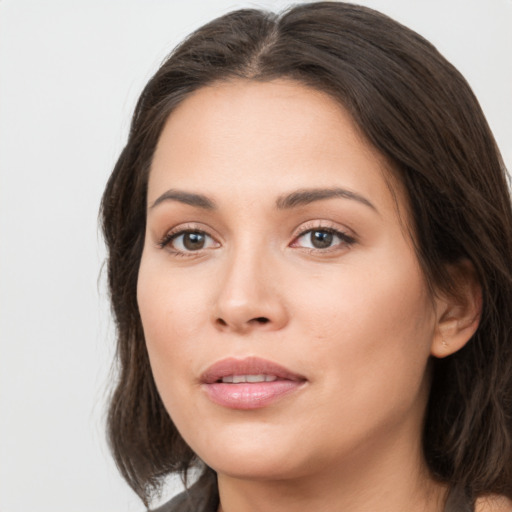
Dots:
(248, 295)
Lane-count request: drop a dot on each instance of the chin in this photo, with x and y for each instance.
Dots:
(258, 467)
(250, 453)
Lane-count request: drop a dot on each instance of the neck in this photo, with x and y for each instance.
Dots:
(387, 478)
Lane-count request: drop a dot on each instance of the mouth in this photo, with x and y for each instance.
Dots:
(238, 379)
(249, 383)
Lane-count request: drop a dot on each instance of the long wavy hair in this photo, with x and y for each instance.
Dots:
(419, 112)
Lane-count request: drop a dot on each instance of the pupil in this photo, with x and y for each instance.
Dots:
(321, 239)
(193, 241)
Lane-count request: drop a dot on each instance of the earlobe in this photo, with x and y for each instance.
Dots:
(458, 314)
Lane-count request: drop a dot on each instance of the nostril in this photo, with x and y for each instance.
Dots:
(260, 320)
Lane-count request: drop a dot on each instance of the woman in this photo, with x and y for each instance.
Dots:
(309, 236)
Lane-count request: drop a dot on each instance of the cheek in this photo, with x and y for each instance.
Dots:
(373, 329)
(171, 317)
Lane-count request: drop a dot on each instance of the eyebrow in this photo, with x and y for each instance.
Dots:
(300, 197)
(306, 196)
(198, 200)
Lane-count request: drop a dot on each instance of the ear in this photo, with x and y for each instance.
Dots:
(458, 314)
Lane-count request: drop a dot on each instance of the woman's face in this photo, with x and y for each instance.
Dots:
(287, 320)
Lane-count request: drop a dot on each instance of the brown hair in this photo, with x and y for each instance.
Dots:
(419, 112)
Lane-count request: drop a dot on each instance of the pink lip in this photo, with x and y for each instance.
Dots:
(248, 395)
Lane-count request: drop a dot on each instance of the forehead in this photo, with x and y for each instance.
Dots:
(277, 135)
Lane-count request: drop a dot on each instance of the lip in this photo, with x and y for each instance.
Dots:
(248, 395)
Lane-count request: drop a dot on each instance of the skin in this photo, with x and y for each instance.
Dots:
(355, 318)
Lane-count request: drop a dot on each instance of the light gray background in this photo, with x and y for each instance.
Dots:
(70, 73)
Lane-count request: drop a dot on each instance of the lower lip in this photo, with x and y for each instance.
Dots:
(254, 395)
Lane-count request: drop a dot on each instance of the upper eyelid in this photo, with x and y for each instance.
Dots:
(175, 236)
(320, 228)
(344, 236)
(305, 227)
(299, 231)
(185, 227)
(171, 234)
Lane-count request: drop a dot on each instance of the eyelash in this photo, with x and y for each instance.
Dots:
(168, 238)
(345, 239)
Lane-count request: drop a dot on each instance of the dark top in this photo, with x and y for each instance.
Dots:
(203, 496)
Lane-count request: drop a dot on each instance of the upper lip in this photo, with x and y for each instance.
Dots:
(247, 366)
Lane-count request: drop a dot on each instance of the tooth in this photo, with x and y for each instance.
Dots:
(255, 378)
(237, 379)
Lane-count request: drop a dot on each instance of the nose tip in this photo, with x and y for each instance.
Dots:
(249, 300)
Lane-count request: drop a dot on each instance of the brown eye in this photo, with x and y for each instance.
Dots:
(190, 241)
(193, 241)
(321, 239)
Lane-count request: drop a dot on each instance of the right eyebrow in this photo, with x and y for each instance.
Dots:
(198, 200)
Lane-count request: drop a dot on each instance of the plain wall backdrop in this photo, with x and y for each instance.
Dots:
(70, 73)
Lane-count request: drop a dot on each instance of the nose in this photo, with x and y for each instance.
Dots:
(250, 296)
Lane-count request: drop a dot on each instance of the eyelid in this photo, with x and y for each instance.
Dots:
(347, 236)
(321, 224)
(164, 242)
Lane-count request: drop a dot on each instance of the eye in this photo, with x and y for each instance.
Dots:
(188, 241)
(322, 238)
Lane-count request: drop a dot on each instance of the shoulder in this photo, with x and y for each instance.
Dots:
(179, 503)
(203, 496)
(493, 503)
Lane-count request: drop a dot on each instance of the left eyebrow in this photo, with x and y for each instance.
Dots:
(306, 196)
